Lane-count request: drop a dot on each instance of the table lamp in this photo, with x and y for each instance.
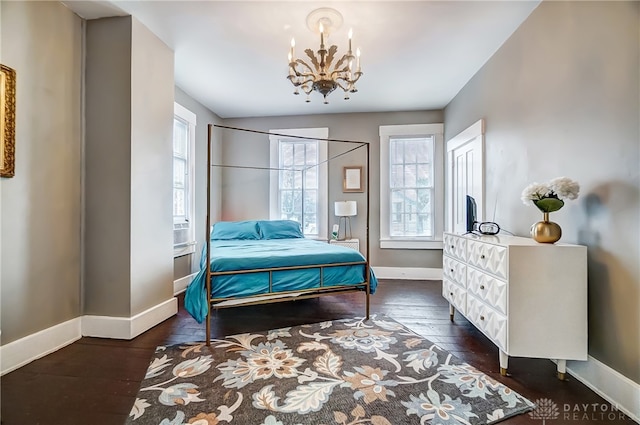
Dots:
(345, 210)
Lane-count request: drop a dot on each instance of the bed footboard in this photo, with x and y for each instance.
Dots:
(282, 296)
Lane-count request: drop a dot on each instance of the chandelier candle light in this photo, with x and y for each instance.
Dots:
(323, 75)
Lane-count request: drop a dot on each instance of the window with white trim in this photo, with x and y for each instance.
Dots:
(184, 136)
(298, 181)
(411, 186)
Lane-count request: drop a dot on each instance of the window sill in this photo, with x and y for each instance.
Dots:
(184, 249)
(409, 244)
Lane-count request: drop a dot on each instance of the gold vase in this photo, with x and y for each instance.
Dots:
(546, 231)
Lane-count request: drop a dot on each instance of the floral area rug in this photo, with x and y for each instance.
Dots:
(341, 372)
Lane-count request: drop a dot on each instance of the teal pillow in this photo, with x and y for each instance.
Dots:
(280, 229)
(228, 230)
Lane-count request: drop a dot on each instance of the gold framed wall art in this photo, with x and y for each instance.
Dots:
(7, 121)
(352, 179)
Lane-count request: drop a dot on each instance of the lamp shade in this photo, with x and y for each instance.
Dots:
(346, 208)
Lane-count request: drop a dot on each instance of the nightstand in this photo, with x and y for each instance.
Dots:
(347, 243)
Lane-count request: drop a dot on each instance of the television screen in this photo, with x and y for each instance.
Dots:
(471, 213)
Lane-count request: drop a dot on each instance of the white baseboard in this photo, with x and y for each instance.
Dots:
(617, 389)
(181, 284)
(25, 350)
(408, 273)
(128, 327)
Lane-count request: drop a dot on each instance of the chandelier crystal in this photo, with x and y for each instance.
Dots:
(324, 72)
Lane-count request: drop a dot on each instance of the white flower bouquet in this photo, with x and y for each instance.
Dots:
(549, 197)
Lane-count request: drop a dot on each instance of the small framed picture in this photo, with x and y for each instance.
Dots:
(352, 179)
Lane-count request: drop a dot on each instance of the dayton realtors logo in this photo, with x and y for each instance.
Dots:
(546, 410)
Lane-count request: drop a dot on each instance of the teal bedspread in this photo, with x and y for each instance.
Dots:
(237, 255)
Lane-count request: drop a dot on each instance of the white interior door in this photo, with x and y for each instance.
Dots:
(465, 176)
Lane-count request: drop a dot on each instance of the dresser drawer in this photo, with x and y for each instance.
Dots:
(488, 257)
(489, 321)
(492, 291)
(455, 246)
(455, 294)
(454, 270)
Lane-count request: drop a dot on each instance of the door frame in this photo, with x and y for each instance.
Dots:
(463, 138)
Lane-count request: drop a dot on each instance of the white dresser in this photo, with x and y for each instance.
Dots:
(530, 299)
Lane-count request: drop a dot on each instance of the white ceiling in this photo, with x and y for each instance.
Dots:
(232, 55)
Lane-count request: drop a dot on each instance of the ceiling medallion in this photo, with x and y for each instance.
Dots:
(323, 75)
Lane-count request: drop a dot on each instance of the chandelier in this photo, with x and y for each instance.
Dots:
(325, 72)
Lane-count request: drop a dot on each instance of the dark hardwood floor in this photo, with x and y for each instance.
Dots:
(94, 381)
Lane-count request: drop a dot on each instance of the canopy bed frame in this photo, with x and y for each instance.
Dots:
(366, 282)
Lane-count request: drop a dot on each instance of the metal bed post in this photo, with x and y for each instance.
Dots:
(368, 258)
(208, 237)
(303, 175)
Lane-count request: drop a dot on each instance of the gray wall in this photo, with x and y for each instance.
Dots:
(561, 98)
(188, 264)
(108, 166)
(245, 194)
(41, 205)
(151, 170)
(129, 116)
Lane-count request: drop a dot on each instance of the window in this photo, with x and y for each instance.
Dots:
(184, 129)
(298, 181)
(411, 186)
